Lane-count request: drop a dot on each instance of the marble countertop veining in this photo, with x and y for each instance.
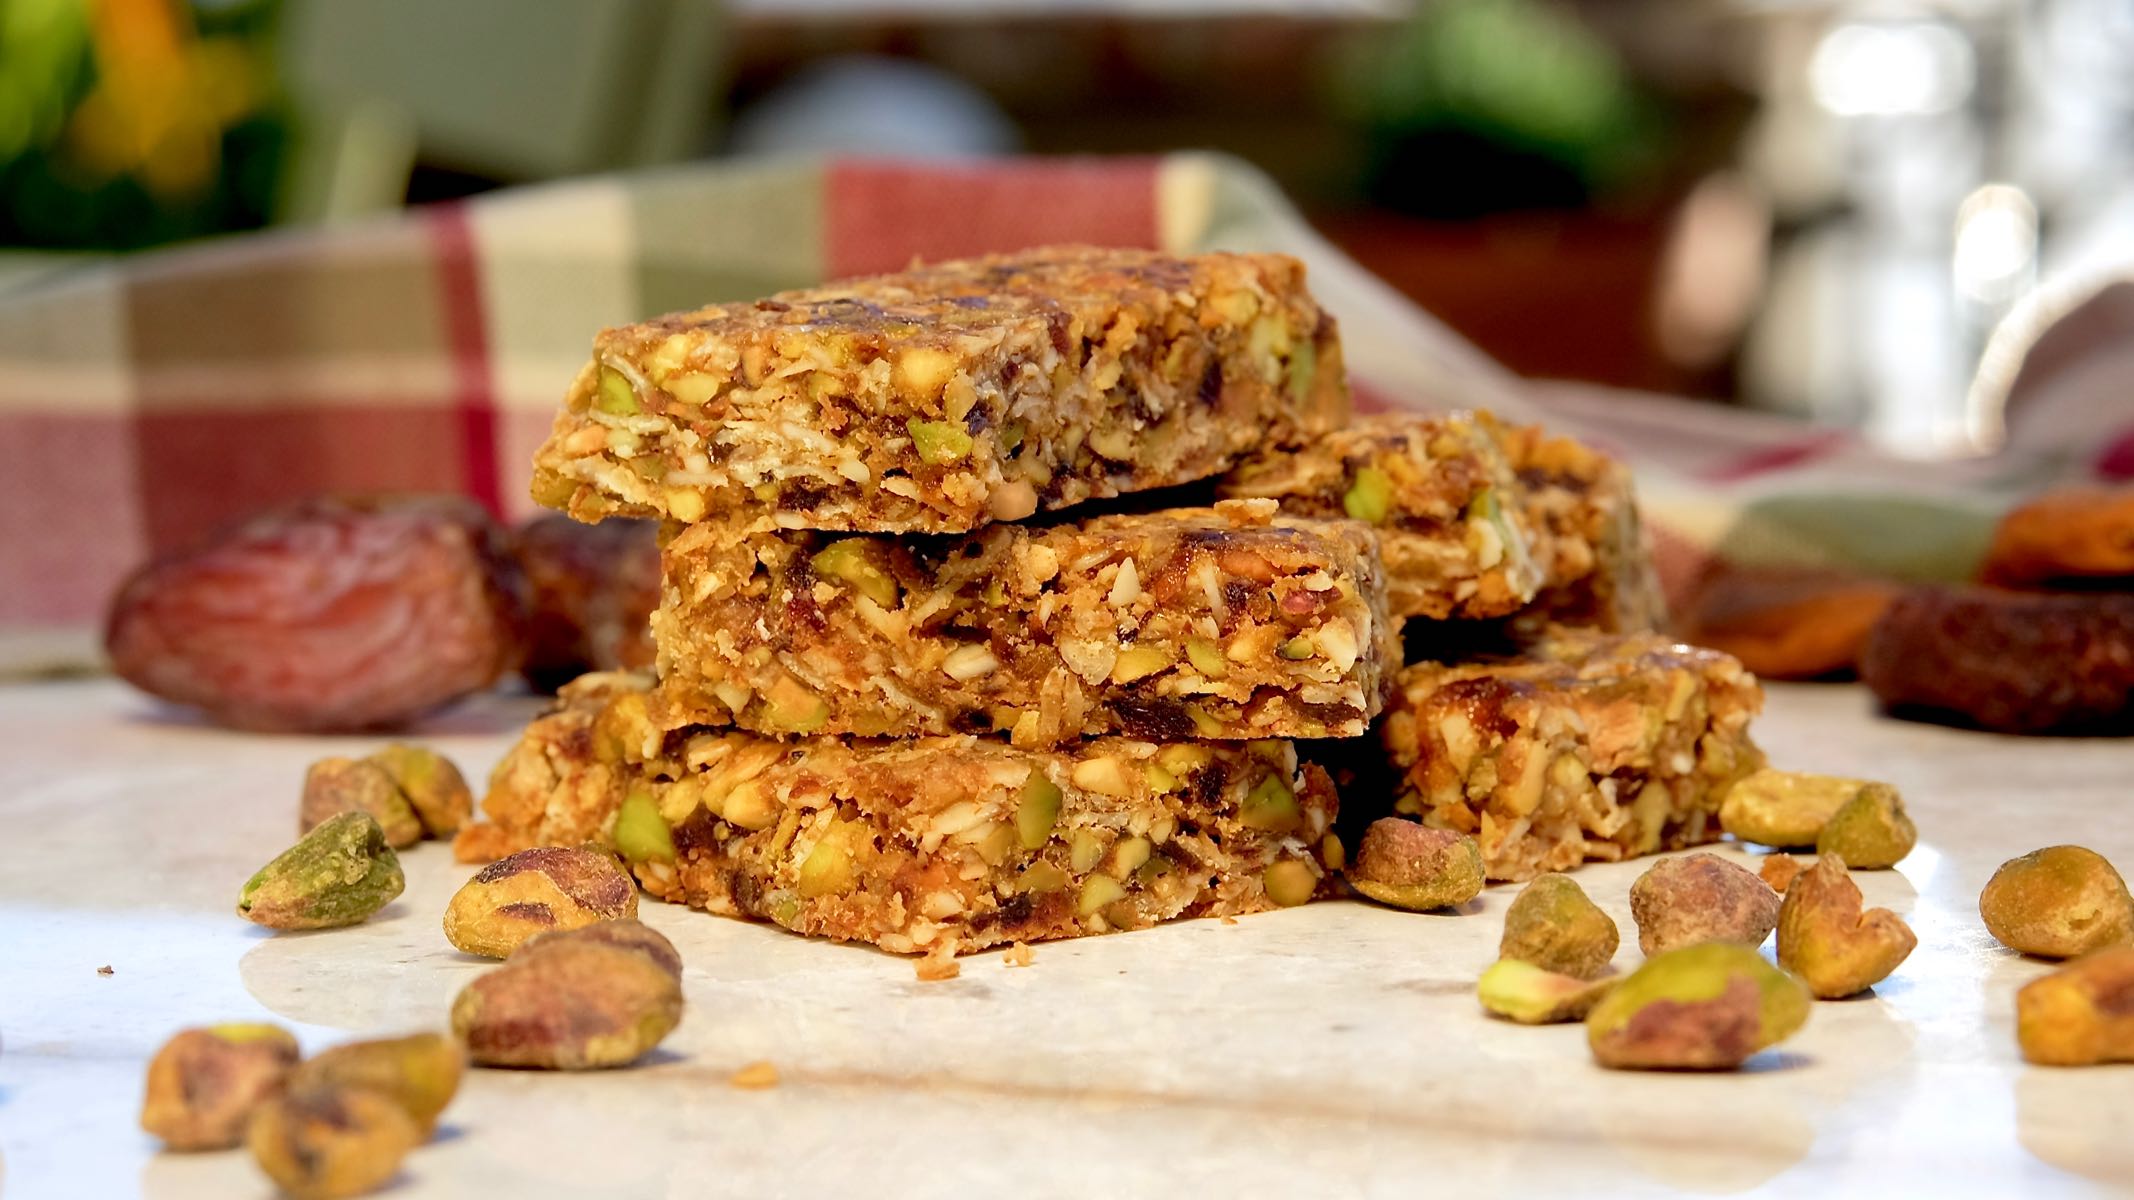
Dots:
(1333, 1049)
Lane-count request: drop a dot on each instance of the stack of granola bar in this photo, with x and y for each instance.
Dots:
(1542, 712)
(908, 692)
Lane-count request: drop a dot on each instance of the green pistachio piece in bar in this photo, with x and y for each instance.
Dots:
(1370, 496)
(617, 398)
(1297, 648)
(848, 561)
(1270, 807)
(1038, 812)
(939, 442)
(1290, 883)
(1303, 367)
(641, 834)
(1207, 657)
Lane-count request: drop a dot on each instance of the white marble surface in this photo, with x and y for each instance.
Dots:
(1334, 1049)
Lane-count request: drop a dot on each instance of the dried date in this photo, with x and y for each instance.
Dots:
(334, 613)
(593, 589)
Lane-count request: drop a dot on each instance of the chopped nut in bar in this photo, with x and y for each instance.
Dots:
(1224, 623)
(1585, 747)
(1439, 490)
(931, 843)
(947, 397)
(1588, 534)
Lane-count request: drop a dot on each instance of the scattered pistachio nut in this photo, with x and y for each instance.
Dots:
(421, 1072)
(1416, 867)
(2059, 902)
(602, 996)
(337, 785)
(1706, 1007)
(339, 874)
(1531, 995)
(1871, 831)
(1700, 898)
(433, 786)
(1824, 938)
(1779, 870)
(331, 1140)
(2081, 1014)
(1784, 808)
(1554, 925)
(542, 890)
(204, 1083)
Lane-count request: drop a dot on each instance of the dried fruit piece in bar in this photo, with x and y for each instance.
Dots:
(1585, 747)
(330, 614)
(916, 845)
(1192, 623)
(948, 396)
(1449, 513)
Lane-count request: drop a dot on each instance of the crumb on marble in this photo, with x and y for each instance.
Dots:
(756, 1076)
(1018, 955)
(105, 970)
(1229, 920)
(936, 967)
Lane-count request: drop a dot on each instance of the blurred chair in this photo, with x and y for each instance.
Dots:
(495, 88)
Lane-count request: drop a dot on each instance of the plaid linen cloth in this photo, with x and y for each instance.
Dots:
(145, 400)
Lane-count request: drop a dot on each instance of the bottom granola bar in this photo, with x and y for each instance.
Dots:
(927, 845)
(1583, 747)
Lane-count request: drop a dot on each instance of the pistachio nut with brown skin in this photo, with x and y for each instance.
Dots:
(1520, 991)
(1705, 1007)
(2081, 1014)
(1825, 938)
(602, 996)
(1416, 867)
(1871, 831)
(542, 890)
(433, 786)
(331, 1140)
(421, 1072)
(337, 785)
(338, 874)
(1554, 925)
(1784, 808)
(204, 1083)
(2059, 902)
(1700, 898)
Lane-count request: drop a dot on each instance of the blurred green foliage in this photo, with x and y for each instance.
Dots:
(128, 123)
(1474, 106)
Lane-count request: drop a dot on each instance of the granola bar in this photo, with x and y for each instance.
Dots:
(931, 845)
(946, 397)
(1441, 492)
(1585, 747)
(1222, 623)
(1584, 511)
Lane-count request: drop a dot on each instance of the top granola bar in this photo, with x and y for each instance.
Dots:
(947, 397)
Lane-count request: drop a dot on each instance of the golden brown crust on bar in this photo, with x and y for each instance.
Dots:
(946, 397)
(918, 846)
(1220, 623)
(1437, 489)
(1585, 747)
(1584, 510)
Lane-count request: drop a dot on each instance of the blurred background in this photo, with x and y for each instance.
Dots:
(1820, 209)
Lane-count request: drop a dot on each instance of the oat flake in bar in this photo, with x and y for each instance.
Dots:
(1584, 747)
(931, 845)
(946, 397)
(1226, 623)
(1440, 493)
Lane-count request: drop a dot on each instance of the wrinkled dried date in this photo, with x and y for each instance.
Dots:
(592, 589)
(327, 614)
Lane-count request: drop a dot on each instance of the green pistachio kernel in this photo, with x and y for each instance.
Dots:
(939, 442)
(1270, 807)
(849, 561)
(1039, 811)
(1370, 496)
(617, 398)
(640, 833)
